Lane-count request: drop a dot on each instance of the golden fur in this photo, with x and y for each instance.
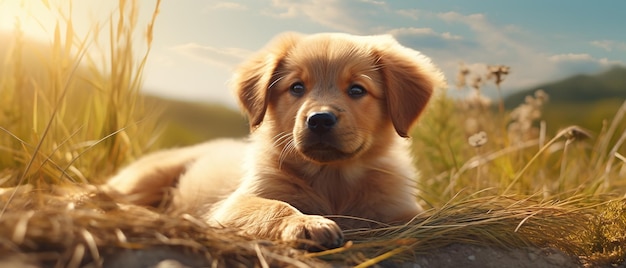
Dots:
(328, 116)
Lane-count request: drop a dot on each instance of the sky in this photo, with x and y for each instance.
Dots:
(198, 43)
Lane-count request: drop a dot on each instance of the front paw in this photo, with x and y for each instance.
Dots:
(312, 232)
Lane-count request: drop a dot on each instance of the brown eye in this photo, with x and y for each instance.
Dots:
(356, 91)
(297, 89)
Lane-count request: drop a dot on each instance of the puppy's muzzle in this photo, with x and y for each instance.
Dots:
(321, 122)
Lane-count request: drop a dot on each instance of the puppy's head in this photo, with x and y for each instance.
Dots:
(334, 97)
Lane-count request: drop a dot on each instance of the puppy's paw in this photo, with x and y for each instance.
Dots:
(313, 233)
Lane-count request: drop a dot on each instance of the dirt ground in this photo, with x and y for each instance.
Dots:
(470, 256)
(456, 255)
(453, 256)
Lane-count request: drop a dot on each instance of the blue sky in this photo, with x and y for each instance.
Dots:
(198, 43)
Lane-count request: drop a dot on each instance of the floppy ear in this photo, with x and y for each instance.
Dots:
(253, 79)
(409, 81)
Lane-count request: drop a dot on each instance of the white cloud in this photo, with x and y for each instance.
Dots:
(374, 2)
(352, 16)
(410, 13)
(227, 6)
(476, 19)
(604, 44)
(449, 36)
(325, 12)
(570, 57)
(223, 57)
(609, 45)
(573, 63)
(582, 58)
(412, 31)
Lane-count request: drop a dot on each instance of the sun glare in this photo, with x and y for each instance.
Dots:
(37, 19)
(33, 18)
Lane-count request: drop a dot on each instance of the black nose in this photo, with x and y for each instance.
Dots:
(321, 122)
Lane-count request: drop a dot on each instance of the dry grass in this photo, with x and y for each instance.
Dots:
(494, 221)
(71, 111)
(73, 227)
(75, 120)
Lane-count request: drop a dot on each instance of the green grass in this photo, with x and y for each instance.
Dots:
(70, 118)
(578, 172)
(567, 166)
(589, 115)
(184, 123)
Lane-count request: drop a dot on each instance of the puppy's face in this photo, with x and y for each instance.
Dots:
(334, 97)
(328, 96)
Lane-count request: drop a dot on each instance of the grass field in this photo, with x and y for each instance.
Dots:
(69, 119)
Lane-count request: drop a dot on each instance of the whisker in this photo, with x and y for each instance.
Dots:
(280, 139)
(288, 149)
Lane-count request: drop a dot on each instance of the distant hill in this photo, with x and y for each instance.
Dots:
(580, 88)
(185, 123)
(585, 100)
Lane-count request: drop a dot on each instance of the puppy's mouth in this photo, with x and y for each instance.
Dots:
(326, 151)
(320, 139)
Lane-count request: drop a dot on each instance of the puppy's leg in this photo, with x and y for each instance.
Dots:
(145, 181)
(272, 219)
(211, 178)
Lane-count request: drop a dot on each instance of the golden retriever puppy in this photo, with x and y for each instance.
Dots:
(329, 114)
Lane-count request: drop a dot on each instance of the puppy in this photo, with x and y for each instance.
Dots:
(329, 114)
